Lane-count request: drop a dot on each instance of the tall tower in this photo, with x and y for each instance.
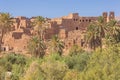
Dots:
(111, 16)
(105, 16)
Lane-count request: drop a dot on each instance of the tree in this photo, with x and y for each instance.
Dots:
(54, 70)
(32, 46)
(34, 72)
(37, 45)
(92, 36)
(5, 25)
(101, 27)
(113, 32)
(40, 25)
(103, 65)
(75, 50)
(78, 61)
(12, 66)
(2, 72)
(56, 45)
(72, 75)
(95, 33)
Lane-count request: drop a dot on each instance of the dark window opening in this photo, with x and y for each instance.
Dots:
(76, 28)
(17, 35)
(86, 20)
(82, 42)
(83, 20)
(4, 49)
(89, 20)
(74, 19)
(80, 20)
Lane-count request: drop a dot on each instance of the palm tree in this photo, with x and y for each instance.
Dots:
(37, 42)
(101, 26)
(32, 46)
(95, 33)
(113, 32)
(101, 29)
(40, 25)
(5, 25)
(91, 36)
(36, 47)
(56, 45)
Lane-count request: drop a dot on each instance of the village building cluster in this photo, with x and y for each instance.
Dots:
(71, 29)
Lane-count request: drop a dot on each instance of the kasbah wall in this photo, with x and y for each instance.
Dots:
(71, 29)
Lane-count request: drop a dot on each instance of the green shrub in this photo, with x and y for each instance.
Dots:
(14, 63)
(34, 72)
(54, 70)
(72, 75)
(75, 49)
(103, 65)
(2, 73)
(78, 62)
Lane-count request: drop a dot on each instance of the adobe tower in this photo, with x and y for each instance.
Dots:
(111, 16)
(105, 16)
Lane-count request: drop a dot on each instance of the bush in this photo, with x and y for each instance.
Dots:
(78, 62)
(103, 66)
(16, 59)
(14, 63)
(75, 49)
(54, 70)
(2, 73)
(72, 75)
(34, 72)
(54, 57)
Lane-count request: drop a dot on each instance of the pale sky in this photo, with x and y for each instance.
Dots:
(58, 8)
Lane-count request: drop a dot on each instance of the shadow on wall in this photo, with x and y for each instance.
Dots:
(26, 31)
(17, 35)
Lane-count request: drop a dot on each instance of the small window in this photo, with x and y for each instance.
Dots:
(86, 20)
(83, 20)
(82, 43)
(74, 19)
(4, 49)
(89, 20)
(80, 20)
(76, 28)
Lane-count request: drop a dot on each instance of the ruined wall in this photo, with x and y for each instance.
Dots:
(75, 37)
(16, 43)
(18, 38)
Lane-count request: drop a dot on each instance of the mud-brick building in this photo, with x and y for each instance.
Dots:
(17, 39)
(71, 29)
